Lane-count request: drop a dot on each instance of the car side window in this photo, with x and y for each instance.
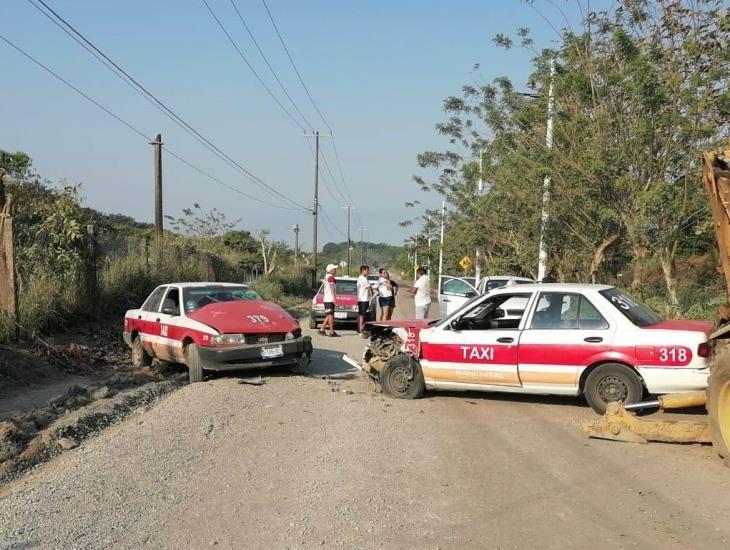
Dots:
(172, 300)
(500, 312)
(565, 311)
(457, 287)
(152, 303)
(588, 316)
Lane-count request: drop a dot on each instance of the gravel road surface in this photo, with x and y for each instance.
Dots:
(321, 460)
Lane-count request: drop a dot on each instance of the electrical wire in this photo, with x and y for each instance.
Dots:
(247, 62)
(271, 69)
(129, 125)
(162, 106)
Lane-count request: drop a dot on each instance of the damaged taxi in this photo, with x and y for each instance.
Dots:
(584, 340)
(214, 327)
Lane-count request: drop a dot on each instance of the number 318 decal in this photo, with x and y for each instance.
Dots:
(674, 355)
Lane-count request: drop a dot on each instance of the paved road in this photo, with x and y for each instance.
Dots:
(310, 462)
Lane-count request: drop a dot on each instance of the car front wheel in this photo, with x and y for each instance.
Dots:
(195, 368)
(402, 378)
(140, 357)
(612, 382)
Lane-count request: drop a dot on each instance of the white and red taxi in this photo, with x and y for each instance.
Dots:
(213, 326)
(346, 309)
(563, 339)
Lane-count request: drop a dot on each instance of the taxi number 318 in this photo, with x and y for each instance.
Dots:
(672, 354)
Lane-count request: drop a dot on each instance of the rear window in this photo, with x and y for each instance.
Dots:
(343, 287)
(632, 309)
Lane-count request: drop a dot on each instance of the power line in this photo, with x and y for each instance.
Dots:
(127, 124)
(326, 217)
(311, 99)
(321, 175)
(169, 112)
(294, 66)
(256, 74)
(273, 72)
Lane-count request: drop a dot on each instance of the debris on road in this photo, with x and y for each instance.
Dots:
(258, 381)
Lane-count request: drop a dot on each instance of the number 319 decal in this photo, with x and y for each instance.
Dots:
(258, 318)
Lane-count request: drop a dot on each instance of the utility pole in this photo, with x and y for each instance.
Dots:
(349, 241)
(362, 245)
(480, 186)
(315, 205)
(543, 254)
(157, 166)
(296, 242)
(441, 247)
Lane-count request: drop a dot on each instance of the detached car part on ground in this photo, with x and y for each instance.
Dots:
(214, 326)
(556, 339)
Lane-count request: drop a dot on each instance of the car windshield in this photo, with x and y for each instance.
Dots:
(343, 286)
(198, 296)
(632, 309)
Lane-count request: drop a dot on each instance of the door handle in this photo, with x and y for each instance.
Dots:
(139, 316)
(593, 339)
(445, 300)
(505, 340)
(157, 320)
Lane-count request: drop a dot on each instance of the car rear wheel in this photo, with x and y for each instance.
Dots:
(402, 378)
(612, 382)
(195, 368)
(140, 357)
(718, 403)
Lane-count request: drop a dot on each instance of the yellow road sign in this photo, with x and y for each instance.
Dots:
(465, 263)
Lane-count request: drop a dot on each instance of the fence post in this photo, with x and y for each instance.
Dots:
(92, 284)
(8, 282)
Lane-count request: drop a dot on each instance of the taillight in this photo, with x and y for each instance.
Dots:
(704, 349)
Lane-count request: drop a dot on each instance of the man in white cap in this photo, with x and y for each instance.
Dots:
(330, 296)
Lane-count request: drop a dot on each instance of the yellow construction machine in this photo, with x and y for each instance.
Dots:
(620, 423)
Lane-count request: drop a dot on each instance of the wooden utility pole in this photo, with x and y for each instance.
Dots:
(315, 208)
(157, 166)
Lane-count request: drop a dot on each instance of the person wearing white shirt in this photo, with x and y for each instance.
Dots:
(330, 297)
(386, 295)
(422, 293)
(364, 292)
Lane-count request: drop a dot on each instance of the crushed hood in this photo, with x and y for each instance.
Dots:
(245, 317)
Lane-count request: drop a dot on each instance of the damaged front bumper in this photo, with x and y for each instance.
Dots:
(383, 345)
(289, 352)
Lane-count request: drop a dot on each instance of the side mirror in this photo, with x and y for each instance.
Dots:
(169, 308)
(455, 324)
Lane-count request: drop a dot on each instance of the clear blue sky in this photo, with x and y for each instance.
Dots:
(378, 70)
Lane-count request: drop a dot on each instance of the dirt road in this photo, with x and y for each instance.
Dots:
(304, 461)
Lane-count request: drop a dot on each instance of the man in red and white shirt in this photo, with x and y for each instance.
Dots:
(330, 296)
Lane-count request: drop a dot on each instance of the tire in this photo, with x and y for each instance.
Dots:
(718, 403)
(402, 378)
(140, 357)
(612, 382)
(195, 368)
(312, 321)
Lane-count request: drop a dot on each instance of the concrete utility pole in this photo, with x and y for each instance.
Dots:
(543, 254)
(362, 245)
(315, 206)
(441, 247)
(349, 241)
(157, 166)
(296, 242)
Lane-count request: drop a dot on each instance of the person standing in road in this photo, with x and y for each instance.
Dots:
(386, 296)
(422, 293)
(364, 294)
(330, 297)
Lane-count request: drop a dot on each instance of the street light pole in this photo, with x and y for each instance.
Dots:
(544, 218)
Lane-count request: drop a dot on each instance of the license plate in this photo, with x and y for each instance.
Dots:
(340, 315)
(271, 352)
